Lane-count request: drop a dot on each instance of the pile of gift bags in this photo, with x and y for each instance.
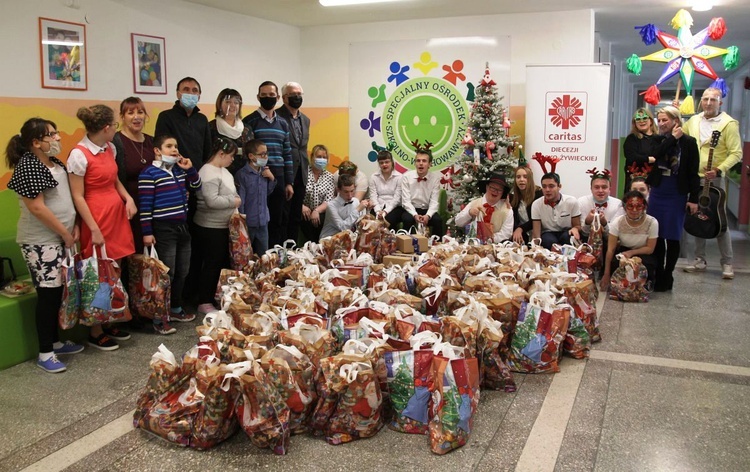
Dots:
(325, 340)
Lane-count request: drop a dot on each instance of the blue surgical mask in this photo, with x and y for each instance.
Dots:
(261, 162)
(169, 160)
(189, 100)
(321, 163)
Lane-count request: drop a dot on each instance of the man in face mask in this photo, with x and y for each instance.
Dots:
(299, 127)
(186, 123)
(265, 124)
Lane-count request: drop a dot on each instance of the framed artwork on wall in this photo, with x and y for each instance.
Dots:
(63, 54)
(149, 64)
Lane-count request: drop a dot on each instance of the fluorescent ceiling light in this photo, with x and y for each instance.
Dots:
(702, 5)
(338, 3)
(463, 41)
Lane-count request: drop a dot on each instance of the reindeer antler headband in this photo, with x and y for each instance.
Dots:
(599, 174)
(422, 148)
(641, 171)
(544, 160)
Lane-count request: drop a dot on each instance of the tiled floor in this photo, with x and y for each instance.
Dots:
(667, 389)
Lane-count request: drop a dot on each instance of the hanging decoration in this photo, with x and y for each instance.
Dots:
(685, 54)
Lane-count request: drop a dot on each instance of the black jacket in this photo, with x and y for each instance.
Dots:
(688, 181)
(192, 132)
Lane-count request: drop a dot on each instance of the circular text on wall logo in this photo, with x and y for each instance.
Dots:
(425, 109)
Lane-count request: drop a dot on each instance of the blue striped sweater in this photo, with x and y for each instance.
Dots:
(162, 196)
(276, 138)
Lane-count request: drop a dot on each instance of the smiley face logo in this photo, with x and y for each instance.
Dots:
(426, 118)
(425, 109)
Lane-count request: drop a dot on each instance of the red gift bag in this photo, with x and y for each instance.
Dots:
(103, 298)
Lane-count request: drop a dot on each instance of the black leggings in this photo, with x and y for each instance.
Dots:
(666, 253)
(48, 301)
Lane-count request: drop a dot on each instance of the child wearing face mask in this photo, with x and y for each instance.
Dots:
(45, 227)
(255, 182)
(162, 192)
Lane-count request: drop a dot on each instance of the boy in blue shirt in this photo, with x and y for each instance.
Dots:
(255, 182)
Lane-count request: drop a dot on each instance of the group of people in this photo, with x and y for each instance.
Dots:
(125, 191)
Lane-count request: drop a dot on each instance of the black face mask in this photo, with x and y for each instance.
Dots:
(268, 103)
(295, 101)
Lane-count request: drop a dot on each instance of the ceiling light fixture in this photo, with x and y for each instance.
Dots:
(339, 3)
(702, 5)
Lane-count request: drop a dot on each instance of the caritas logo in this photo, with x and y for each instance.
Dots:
(566, 112)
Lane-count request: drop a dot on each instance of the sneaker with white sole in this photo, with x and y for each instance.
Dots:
(727, 272)
(164, 328)
(699, 265)
(68, 347)
(103, 342)
(51, 365)
(181, 317)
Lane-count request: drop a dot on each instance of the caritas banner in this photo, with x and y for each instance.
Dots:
(567, 117)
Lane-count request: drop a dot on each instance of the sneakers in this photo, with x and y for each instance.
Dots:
(116, 333)
(51, 365)
(182, 317)
(164, 328)
(103, 342)
(206, 308)
(699, 265)
(69, 347)
(727, 272)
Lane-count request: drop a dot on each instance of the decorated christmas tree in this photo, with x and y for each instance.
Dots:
(488, 145)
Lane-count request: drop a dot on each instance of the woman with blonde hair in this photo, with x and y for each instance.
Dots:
(523, 195)
(320, 188)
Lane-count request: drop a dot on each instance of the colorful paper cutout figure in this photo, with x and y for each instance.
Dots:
(454, 71)
(685, 54)
(425, 64)
(398, 73)
(370, 124)
(377, 94)
(470, 96)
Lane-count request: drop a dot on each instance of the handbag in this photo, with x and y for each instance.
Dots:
(149, 286)
(70, 308)
(103, 298)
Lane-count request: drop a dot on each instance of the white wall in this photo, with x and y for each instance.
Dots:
(539, 38)
(218, 48)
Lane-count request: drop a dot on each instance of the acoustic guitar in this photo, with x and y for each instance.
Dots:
(711, 218)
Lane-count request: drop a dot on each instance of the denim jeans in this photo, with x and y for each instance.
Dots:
(173, 246)
(259, 238)
(555, 237)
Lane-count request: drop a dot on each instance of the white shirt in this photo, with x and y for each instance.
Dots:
(634, 237)
(360, 181)
(420, 195)
(340, 216)
(613, 210)
(558, 218)
(77, 163)
(504, 232)
(707, 127)
(385, 194)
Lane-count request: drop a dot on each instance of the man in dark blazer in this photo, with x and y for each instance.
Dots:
(299, 127)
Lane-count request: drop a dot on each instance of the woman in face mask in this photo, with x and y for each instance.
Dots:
(46, 226)
(102, 202)
(320, 189)
(228, 124)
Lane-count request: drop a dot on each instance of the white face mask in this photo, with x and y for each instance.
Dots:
(54, 149)
(169, 160)
(261, 162)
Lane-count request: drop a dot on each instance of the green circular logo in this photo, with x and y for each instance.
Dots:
(425, 109)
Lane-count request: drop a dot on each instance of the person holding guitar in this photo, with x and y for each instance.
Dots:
(727, 153)
(675, 186)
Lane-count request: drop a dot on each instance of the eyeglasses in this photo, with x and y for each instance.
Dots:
(114, 125)
(233, 101)
(51, 134)
(495, 188)
(294, 94)
(634, 207)
(710, 99)
(261, 154)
